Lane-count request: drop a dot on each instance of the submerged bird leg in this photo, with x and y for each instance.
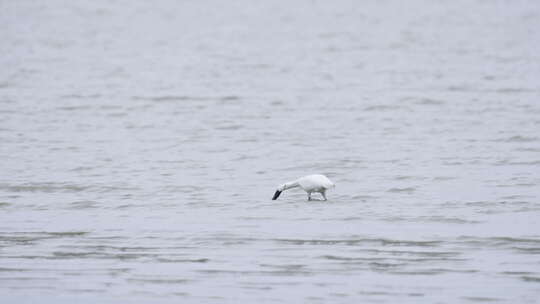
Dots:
(309, 196)
(324, 195)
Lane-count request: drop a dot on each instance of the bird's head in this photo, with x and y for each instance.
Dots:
(278, 192)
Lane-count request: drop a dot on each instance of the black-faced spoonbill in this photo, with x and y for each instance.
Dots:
(310, 183)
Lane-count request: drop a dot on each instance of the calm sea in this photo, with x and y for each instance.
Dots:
(141, 143)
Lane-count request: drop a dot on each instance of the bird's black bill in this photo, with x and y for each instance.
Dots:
(276, 195)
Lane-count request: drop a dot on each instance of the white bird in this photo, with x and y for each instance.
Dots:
(310, 183)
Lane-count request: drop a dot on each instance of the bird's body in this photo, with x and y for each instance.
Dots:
(310, 183)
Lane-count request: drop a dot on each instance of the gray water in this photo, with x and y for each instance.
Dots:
(141, 143)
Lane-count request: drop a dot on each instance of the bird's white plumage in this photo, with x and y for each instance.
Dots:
(310, 183)
(315, 183)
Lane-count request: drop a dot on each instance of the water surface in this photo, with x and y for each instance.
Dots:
(141, 144)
